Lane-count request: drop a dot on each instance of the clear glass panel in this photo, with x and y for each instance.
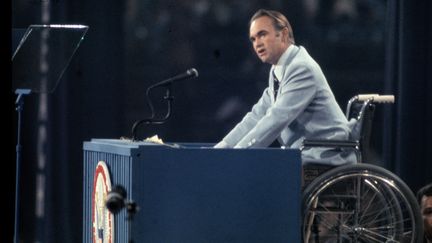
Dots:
(43, 55)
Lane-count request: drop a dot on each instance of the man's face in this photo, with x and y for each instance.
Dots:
(426, 211)
(268, 43)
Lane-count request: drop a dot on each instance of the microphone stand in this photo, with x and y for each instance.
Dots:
(168, 97)
(116, 201)
(131, 210)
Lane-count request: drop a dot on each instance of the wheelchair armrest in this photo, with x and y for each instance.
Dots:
(330, 143)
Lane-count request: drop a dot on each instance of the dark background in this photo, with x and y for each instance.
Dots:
(363, 46)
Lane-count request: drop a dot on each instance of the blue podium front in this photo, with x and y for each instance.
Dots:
(195, 193)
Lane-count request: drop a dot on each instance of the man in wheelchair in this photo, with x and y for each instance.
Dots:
(298, 102)
(349, 202)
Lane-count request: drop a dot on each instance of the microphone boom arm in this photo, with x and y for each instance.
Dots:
(152, 120)
(191, 73)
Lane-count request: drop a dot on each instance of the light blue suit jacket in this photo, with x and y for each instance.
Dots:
(305, 107)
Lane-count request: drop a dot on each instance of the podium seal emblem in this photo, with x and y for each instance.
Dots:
(102, 218)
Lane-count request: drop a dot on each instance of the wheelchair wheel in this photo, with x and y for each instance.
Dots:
(360, 203)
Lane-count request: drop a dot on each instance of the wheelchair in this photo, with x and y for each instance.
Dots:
(358, 202)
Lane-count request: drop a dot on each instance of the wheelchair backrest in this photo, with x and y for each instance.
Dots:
(360, 113)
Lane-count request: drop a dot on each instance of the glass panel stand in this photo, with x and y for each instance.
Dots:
(38, 63)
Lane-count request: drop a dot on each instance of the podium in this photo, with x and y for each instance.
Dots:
(194, 193)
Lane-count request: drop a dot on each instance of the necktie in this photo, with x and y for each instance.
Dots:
(275, 85)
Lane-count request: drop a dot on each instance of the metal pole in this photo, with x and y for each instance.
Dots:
(19, 108)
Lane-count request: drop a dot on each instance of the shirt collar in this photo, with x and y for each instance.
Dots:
(278, 68)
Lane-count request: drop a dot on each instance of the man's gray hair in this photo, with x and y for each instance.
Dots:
(279, 21)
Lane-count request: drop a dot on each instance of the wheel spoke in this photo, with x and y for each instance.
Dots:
(360, 206)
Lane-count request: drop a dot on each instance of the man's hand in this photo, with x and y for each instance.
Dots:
(221, 144)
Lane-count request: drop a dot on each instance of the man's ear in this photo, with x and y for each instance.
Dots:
(285, 33)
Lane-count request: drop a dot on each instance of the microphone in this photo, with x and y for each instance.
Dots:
(116, 199)
(190, 73)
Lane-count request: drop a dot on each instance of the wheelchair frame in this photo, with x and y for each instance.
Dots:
(359, 202)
